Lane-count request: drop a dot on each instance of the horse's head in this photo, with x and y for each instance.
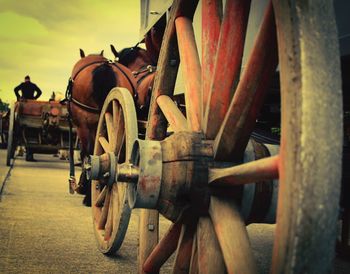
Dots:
(134, 57)
(86, 60)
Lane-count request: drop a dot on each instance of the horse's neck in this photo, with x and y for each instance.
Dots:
(138, 64)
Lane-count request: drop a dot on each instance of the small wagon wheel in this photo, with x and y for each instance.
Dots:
(116, 132)
(11, 144)
(308, 165)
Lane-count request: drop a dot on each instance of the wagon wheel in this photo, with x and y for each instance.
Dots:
(11, 144)
(117, 129)
(308, 165)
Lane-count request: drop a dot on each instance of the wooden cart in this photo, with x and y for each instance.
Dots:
(39, 126)
(209, 177)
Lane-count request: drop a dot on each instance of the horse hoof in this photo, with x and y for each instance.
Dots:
(87, 201)
(80, 190)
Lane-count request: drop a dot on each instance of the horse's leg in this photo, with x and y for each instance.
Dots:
(90, 150)
(83, 134)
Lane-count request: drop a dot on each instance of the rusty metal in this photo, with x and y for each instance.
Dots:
(147, 156)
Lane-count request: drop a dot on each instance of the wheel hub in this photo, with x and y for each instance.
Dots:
(172, 177)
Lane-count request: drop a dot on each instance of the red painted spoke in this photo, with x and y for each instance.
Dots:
(210, 258)
(171, 112)
(163, 249)
(191, 71)
(104, 143)
(211, 21)
(232, 236)
(227, 64)
(101, 197)
(104, 214)
(249, 96)
(184, 249)
(252, 172)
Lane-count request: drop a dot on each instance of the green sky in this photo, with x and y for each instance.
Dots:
(42, 38)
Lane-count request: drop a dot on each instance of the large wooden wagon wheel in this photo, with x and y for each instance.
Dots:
(195, 177)
(116, 132)
(11, 142)
(308, 165)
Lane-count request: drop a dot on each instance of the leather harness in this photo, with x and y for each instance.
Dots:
(69, 91)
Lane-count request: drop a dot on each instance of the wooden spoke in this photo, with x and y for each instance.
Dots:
(118, 122)
(194, 268)
(101, 197)
(174, 116)
(240, 119)
(191, 71)
(210, 258)
(211, 21)
(104, 143)
(110, 130)
(104, 213)
(111, 213)
(120, 133)
(163, 249)
(184, 249)
(227, 64)
(117, 201)
(232, 236)
(109, 222)
(256, 171)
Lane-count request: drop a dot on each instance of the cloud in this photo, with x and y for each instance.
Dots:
(42, 38)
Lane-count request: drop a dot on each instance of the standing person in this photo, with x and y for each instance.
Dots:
(28, 88)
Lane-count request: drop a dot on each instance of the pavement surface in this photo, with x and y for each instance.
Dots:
(44, 229)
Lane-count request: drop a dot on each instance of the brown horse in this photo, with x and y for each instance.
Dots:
(140, 63)
(92, 78)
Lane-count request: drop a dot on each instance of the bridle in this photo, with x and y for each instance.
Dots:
(149, 69)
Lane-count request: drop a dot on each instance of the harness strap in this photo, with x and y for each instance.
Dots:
(127, 77)
(88, 108)
(85, 107)
(148, 68)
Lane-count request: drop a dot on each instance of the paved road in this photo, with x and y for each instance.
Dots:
(43, 229)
